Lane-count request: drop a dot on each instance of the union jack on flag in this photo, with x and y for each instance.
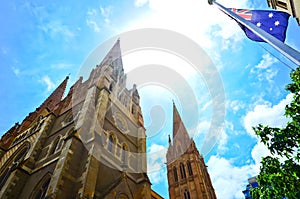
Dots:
(246, 14)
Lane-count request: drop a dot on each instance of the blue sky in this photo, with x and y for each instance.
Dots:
(41, 42)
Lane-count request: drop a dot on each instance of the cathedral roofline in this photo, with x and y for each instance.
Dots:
(50, 103)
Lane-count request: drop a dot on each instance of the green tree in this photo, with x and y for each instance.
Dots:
(280, 173)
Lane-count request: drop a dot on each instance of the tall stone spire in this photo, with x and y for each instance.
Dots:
(114, 58)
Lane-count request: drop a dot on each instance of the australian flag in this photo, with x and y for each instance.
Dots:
(273, 22)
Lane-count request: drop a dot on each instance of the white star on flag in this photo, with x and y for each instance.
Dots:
(276, 23)
(271, 15)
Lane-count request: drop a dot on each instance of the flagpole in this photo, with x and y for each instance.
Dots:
(284, 49)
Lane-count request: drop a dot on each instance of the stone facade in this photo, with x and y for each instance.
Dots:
(187, 174)
(89, 144)
(290, 6)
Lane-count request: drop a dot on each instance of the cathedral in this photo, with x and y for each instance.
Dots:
(187, 174)
(91, 143)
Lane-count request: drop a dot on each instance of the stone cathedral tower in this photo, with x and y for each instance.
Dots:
(89, 144)
(187, 174)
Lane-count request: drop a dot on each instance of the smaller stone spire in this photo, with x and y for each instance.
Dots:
(56, 95)
(178, 125)
(49, 103)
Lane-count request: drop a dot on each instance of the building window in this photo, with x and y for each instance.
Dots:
(186, 194)
(175, 174)
(182, 171)
(282, 4)
(111, 143)
(124, 154)
(122, 196)
(189, 166)
(34, 128)
(40, 190)
(13, 163)
(111, 87)
(133, 109)
(4, 176)
(54, 145)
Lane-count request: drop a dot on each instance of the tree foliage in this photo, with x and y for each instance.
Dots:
(279, 175)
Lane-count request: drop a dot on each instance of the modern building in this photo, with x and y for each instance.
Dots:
(290, 6)
(252, 184)
(187, 173)
(89, 144)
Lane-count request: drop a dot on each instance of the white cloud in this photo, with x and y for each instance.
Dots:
(91, 20)
(266, 61)
(228, 180)
(156, 158)
(236, 105)
(223, 138)
(106, 12)
(158, 177)
(237, 176)
(60, 65)
(92, 24)
(16, 71)
(206, 25)
(56, 28)
(264, 70)
(92, 12)
(259, 151)
(201, 129)
(206, 105)
(96, 17)
(46, 80)
(267, 114)
(229, 125)
(270, 74)
(140, 3)
(194, 19)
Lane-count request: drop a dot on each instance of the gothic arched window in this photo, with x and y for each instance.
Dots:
(40, 190)
(54, 145)
(13, 163)
(4, 176)
(111, 86)
(111, 143)
(122, 196)
(124, 154)
(175, 174)
(189, 166)
(182, 171)
(186, 194)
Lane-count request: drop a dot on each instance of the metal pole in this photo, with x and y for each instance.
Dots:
(284, 49)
